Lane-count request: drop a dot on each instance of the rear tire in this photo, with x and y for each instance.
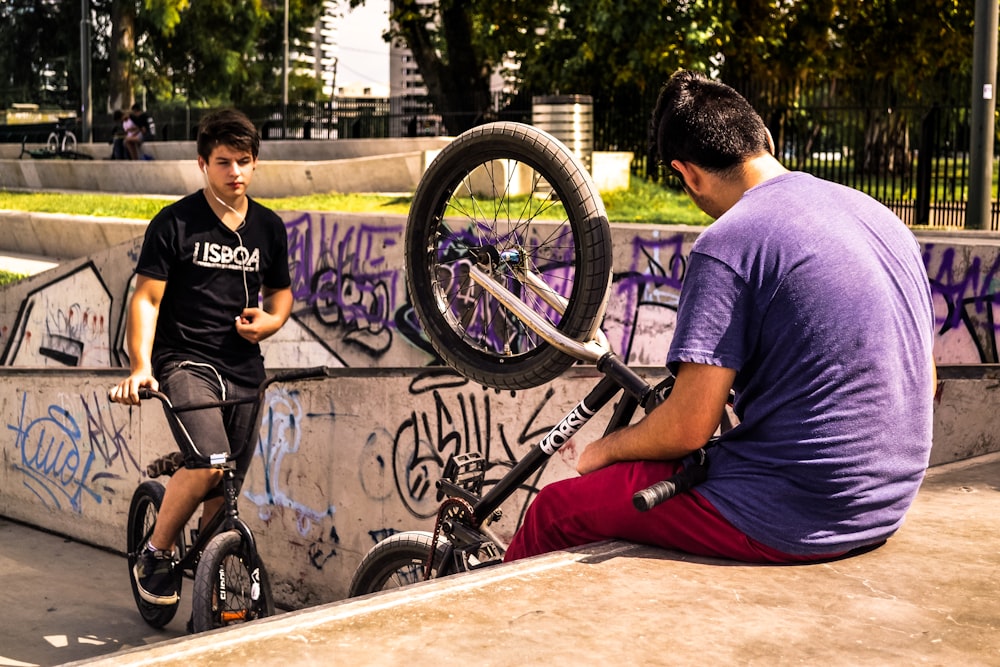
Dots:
(396, 561)
(505, 196)
(142, 513)
(229, 588)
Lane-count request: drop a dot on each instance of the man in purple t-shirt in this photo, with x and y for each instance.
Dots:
(810, 301)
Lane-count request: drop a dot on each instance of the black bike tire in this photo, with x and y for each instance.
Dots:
(204, 614)
(585, 218)
(407, 550)
(148, 496)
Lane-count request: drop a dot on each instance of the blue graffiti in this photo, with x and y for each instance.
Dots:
(281, 435)
(56, 469)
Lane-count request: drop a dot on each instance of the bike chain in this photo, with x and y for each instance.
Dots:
(445, 512)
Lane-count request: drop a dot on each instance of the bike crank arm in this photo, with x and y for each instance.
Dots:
(591, 350)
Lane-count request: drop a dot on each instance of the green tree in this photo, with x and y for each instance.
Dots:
(458, 45)
(208, 52)
(33, 34)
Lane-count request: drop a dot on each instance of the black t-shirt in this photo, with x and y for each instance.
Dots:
(212, 273)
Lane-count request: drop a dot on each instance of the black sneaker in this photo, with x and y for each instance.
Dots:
(154, 577)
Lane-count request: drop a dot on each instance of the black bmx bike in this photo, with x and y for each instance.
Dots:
(231, 584)
(508, 266)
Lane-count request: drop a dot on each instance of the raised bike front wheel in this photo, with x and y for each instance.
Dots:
(53, 143)
(231, 586)
(398, 560)
(511, 200)
(69, 143)
(142, 513)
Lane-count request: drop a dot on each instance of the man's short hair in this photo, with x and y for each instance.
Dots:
(227, 127)
(704, 122)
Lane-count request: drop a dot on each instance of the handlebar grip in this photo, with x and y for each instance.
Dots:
(145, 393)
(648, 498)
(314, 372)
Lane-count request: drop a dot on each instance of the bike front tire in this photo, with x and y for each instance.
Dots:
(142, 514)
(509, 199)
(231, 585)
(398, 560)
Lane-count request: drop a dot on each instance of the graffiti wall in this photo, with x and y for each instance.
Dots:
(345, 461)
(352, 308)
(330, 476)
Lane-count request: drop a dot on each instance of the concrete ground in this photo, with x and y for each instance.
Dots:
(930, 596)
(62, 601)
(25, 264)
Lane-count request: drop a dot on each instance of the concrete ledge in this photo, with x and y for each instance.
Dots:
(286, 169)
(398, 172)
(929, 596)
(58, 236)
(316, 150)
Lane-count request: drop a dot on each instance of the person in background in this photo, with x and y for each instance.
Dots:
(144, 122)
(133, 137)
(212, 283)
(118, 151)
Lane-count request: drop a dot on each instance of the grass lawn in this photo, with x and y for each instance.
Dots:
(642, 202)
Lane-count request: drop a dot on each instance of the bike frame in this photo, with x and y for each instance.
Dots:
(227, 517)
(465, 537)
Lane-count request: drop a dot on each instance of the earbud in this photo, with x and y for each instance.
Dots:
(204, 168)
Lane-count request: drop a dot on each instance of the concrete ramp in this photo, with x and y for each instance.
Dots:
(931, 595)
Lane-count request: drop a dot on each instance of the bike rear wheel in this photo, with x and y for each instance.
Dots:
(142, 513)
(511, 200)
(231, 586)
(69, 143)
(397, 561)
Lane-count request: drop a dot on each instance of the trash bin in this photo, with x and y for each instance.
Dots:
(569, 118)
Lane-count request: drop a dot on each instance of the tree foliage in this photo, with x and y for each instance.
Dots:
(35, 34)
(458, 45)
(230, 51)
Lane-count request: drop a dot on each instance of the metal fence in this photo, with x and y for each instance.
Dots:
(914, 159)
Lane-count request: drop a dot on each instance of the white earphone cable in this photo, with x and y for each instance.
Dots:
(243, 219)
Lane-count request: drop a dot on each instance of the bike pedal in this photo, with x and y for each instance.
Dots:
(467, 471)
(486, 555)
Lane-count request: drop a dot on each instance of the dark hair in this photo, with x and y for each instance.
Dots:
(227, 127)
(704, 122)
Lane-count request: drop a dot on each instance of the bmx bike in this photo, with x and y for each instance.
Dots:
(508, 266)
(61, 143)
(231, 584)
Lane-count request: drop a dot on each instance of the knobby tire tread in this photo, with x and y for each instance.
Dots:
(204, 616)
(396, 552)
(585, 217)
(148, 495)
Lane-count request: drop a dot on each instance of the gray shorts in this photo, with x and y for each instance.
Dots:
(216, 430)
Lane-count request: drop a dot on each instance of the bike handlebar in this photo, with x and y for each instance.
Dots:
(691, 475)
(313, 373)
(145, 393)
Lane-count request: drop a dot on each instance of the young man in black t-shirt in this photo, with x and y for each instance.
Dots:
(212, 283)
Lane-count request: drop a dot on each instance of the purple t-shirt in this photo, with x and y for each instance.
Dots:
(817, 296)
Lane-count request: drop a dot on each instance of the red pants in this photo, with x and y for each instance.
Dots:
(598, 506)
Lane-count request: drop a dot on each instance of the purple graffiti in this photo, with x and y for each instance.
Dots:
(340, 276)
